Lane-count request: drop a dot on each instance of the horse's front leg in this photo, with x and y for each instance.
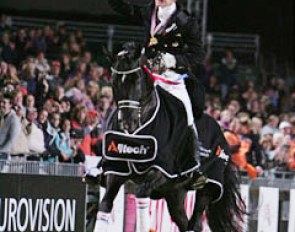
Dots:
(143, 193)
(202, 201)
(113, 184)
(175, 203)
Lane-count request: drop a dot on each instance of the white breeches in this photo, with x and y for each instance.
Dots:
(179, 91)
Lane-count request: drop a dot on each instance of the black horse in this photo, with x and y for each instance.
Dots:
(144, 109)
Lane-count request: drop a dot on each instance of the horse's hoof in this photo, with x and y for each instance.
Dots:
(92, 180)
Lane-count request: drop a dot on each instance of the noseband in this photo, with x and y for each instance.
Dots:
(130, 104)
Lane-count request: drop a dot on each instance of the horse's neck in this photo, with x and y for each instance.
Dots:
(149, 107)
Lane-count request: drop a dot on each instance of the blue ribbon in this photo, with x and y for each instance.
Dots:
(183, 76)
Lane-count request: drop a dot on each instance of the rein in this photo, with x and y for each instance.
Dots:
(155, 77)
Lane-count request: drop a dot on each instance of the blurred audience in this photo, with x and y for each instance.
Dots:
(58, 97)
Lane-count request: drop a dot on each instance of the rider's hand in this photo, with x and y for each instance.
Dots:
(169, 60)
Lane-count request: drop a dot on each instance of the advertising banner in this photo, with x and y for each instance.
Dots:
(245, 196)
(291, 227)
(160, 217)
(268, 209)
(41, 203)
(116, 222)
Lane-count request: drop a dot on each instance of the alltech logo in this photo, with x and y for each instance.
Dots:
(122, 148)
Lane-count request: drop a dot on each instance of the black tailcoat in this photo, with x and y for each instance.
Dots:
(180, 37)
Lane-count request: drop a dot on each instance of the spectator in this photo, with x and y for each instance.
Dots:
(42, 121)
(77, 94)
(20, 147)
(292, 121)
(30, 102)
(29, 77)
(254, 155)
(102, 76)
(3, 72)
(42, 88)
(7, 48)
(266, 151)
(79, 123)
(239, 148)
(94, 122)
(35, 136)
(6, 23)
(280, 152)
(76, 142)
(105, 109)
(234, 107)
(52, 135)
(65, 66)
(51, 41)
(41, 63)
(92, 90)
(65, 106)
(59, 93)
(63, 142)
(271, 126)
(250, 94)
(285, 128)
(54, 78)
(225, 118)
(87, 57)
(10, 126)
(228, 70)
(80, 39)
(11, 77)
(75, 52)
(18, 100)
(40, 45)
(215, 112)
(79, 74)
(256, 125)
(213, 87)
(61, 34)
(21, 44)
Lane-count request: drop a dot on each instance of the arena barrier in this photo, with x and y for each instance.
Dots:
(38, 196)
(47, 203)
(271, 209)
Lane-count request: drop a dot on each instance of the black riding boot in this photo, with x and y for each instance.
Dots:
(196, 144)
(198, 179)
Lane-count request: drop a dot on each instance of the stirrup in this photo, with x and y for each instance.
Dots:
(199, 183)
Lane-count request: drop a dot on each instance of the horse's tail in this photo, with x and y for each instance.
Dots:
(226, 214)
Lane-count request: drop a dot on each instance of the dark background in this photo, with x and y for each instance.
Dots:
(273, 20)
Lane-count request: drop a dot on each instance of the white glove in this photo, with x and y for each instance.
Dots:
(169, 60)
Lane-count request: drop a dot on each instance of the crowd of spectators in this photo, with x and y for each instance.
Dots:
(58, 96)
(61, 98)
(258, 120)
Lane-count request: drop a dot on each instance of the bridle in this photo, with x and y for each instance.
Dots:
(125, 103)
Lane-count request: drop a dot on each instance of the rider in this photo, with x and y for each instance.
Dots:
(172, 35)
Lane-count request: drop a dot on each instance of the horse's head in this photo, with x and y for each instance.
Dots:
(131, 87)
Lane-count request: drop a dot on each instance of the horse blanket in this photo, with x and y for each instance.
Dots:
(212, 144)
(175, 145)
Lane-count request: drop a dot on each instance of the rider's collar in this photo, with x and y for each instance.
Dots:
(165, 12)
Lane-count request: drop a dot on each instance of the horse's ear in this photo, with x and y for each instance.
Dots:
(109, 55)
(133, 49)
